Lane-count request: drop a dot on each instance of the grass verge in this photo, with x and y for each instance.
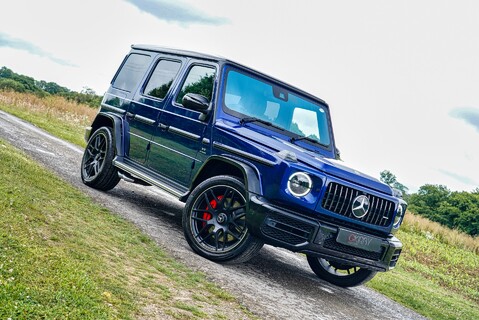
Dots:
(435, 277)
(437, 274)
(61, 256)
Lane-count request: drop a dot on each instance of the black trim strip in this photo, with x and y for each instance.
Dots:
(144, 119)
(184, 133)
(106, 106)
(243, 154)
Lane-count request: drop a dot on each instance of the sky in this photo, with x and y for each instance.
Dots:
(401, 77)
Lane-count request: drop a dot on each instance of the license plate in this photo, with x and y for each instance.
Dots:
(359, 240)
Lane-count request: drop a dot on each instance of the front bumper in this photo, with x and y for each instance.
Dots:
(300, 233)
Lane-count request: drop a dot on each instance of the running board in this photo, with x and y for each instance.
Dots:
(150, 177)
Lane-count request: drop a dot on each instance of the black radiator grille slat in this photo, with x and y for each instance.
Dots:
(339, 199)
(376, 213)
(344, 208)
(288, 230)
(374, 204)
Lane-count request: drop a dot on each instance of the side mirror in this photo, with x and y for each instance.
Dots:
(337, 154)
(196, 102)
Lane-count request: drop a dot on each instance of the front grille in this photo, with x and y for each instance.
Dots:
(339, 199)
(332, 244)
(288, 230)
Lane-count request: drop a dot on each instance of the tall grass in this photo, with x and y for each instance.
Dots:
(52, 106)
(437, 274)
(417, 224)
(65, 119)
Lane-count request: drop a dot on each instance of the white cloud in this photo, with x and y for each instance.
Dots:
(176, 12)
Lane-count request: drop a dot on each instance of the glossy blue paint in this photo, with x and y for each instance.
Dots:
(176, 147)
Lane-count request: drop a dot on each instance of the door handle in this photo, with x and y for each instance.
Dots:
(130, 115)
(163, 126)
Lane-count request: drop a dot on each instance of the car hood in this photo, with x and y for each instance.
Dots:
(336, 168)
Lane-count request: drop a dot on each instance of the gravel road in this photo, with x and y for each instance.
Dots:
(276, 284)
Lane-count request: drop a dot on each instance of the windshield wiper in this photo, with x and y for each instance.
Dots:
(246, 120)
(304, 138)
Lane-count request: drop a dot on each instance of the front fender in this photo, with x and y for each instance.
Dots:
(223, 165)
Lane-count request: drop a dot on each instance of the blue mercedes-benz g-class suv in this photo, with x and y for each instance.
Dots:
(253, 158)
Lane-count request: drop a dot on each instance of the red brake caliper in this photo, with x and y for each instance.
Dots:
(207, 215)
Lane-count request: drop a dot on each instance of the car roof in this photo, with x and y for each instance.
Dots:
(220, 59)
(179, 52)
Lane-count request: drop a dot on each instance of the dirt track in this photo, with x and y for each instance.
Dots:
(276, 284)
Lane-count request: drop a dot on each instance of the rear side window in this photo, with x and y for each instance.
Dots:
(132, 72)
(162, 78)
(199, 80)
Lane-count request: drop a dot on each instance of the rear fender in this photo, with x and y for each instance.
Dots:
(106, 119)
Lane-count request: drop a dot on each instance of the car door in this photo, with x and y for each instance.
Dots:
(146, 106)
(119, 97)
(180, 130)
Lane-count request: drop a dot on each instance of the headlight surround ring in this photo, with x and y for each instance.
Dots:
(299, 184)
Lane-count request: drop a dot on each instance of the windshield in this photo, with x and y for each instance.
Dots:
(246, 96)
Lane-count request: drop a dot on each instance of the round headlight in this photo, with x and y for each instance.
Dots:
(299, 184)
(399, 215)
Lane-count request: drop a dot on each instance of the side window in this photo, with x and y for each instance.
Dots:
(162, 78)
(199, 80)
(132, 71)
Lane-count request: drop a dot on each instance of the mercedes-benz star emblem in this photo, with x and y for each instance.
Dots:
(360, 206)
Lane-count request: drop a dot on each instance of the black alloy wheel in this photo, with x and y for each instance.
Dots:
(340, 274)
(214, 221)
(97, 170)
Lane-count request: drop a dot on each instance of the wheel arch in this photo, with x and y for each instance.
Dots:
(221, 165)
(116, 123)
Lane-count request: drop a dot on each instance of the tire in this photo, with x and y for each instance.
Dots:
(214, 221)
(340, 274)
(97, 170)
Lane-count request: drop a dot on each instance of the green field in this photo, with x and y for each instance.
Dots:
(436, 279)
(437, 275)
(61, 256)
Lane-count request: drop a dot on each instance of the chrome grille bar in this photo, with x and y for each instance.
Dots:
(339, 199)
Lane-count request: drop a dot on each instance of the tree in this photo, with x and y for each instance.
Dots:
(9, 84)
(51, 87)
(203, 86)
(10, 80)
(88, 91)
(390, 179)
(457, 210)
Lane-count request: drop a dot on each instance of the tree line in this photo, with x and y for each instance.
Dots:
(10, 80)
(454, 209)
